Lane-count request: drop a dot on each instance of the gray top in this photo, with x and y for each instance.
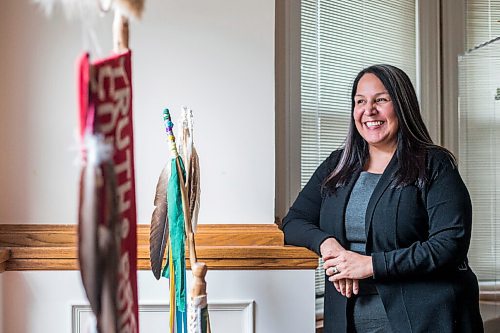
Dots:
(356, 210)
(367, 314)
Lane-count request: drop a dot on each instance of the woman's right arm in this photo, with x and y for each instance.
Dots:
(301, 224)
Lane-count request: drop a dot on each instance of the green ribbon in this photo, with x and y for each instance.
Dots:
(176, 235)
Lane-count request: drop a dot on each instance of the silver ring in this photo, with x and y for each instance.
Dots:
(335, 270)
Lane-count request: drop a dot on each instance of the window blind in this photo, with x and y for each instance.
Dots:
(338, 39)
(482, 24)
(479, 138)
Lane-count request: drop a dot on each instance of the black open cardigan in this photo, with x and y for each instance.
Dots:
(418, 240)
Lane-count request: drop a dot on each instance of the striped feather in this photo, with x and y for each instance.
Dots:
(109, 252)
(87, 233)
(98, 244)
(158, 236)
(194, 189)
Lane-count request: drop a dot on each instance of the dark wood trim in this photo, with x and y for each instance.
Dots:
(4, 256)
(220, 246)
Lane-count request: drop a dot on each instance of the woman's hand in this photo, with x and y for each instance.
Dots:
(331, 248)
(347, 287)
(348, 265)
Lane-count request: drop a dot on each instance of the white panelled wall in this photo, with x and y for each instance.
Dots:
(239, 302)
(216, 57)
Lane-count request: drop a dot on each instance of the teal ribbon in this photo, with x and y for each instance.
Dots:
(176, 234)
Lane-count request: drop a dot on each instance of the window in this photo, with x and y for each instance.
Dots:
(479, 137)
(482, 21)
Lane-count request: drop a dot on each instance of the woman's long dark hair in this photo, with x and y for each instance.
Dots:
(413, 139)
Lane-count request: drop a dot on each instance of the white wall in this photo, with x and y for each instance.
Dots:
(43, 302)
(215, 56)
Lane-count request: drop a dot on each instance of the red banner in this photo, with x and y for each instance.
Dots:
(106, 109)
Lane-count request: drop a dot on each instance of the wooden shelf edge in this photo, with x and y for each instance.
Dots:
(53, 235)
(221, 247)
(143, 264)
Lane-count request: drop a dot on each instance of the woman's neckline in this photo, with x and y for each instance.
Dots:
(372, 173)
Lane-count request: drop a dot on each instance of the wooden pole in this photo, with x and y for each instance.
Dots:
(199, 284)
(120, 33)
(199, 288)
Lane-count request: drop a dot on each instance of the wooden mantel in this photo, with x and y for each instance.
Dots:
(220, 246)
(4, 256)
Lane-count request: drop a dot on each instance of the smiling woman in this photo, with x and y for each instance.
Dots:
(402, 128)
(391, 218)
(374, 114)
